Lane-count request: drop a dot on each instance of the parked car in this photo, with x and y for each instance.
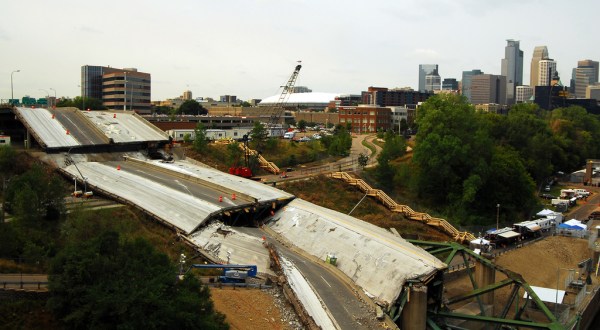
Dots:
(547, 196)
(304, 139)
(547, 188)
(594, 215)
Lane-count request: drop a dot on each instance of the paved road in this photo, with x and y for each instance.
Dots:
(585, 206)
(340, 300)
(78, 128)
(30, 281)
(187, 187)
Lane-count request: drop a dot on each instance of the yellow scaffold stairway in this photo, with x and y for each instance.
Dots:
(458, 236)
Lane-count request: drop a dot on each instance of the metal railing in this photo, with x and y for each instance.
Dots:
(386, 200)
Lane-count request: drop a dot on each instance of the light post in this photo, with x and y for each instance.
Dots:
(82, 98)
(54, 90)
(47, 96)
(497, 216)
(12, 96)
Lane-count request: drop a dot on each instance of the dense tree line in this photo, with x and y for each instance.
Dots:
(466, 162)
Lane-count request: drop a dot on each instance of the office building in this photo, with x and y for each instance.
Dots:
(466, 82)
(187, 95)
(366, 118)
(424, 70)
(524, 94)
(433, 82)
(586, 74)
(450, 84)
(512, 69)
(488, 88)
(593, 92)
(119, 89)
(547, 69)
(385, 97)
(539, 53)
(228, 99)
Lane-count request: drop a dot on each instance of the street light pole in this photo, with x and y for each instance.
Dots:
(12, 96)
(47, 96)
(497, 215)
(54, 90)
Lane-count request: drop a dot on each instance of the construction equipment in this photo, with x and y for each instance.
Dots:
(231, 273)
(243, 171)
(288, 89)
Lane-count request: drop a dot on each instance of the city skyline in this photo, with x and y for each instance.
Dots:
(249, 48)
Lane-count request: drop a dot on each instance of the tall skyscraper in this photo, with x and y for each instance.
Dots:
(547, 68)
(586, 74)
(466, 82)
(433, 82)
(424, 70)
(449, 84)
(488, 88)
(539, 53)
(512, 68)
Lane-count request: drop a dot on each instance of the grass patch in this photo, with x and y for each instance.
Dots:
(337, 195)
(371, 147)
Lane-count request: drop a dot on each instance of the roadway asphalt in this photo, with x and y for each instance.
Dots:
(77, 127)
(177, 183)
(341, 301)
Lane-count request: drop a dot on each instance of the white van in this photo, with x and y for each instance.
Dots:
(289, 135)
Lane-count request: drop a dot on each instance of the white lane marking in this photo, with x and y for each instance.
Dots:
(325, 281)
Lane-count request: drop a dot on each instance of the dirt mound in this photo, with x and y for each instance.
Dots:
(254, 309)
(538, 263)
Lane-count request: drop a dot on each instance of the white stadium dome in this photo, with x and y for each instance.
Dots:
(305, 99)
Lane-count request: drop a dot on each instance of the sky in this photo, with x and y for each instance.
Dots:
(250, 48)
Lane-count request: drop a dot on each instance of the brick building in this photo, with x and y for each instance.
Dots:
(366, 118)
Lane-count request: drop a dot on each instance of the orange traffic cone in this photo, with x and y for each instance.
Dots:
(114, 115)
(220, 199)
(67, 132)
(233, 196)
(118, 167)
(52, 116)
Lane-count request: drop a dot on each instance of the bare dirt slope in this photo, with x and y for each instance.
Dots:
(254, 309)
(539, 263)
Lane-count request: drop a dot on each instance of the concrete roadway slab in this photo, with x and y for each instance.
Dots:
(372, 257)
(217, 240)
(184, 205)
(124, 127)
(50, 131)
(260, 191)
(78, 126)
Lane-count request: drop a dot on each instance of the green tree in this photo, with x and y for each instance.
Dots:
(302, 125)
(7, 160)
(191, 107)
(363, 160)
(200, 141)
(259, 135)
(107, 282)
(246, 104)
(36, 194)
(79, 102)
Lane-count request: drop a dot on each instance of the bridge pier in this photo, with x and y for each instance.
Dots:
(414, 315)
(485, 276)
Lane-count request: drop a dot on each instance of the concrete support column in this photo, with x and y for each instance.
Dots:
(485, 276)
(27, 140)
(414, 315)
(587, 178)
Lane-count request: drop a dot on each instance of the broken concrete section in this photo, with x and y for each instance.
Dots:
(372, 257)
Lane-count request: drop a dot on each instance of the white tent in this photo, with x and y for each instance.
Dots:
(577, 223)
(546, 212)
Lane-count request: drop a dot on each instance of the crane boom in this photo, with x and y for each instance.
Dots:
(285, 94)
